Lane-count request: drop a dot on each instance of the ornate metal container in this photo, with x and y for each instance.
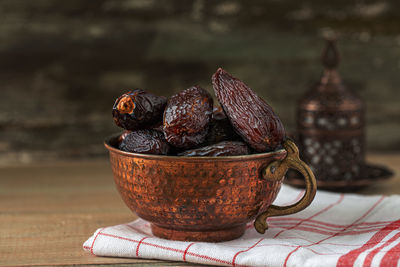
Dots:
(330, 125)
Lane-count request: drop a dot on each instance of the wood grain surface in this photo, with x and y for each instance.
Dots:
(48, 211)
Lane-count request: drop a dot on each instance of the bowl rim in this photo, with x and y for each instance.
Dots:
(280, 153)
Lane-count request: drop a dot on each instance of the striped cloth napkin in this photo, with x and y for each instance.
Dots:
(336, 230)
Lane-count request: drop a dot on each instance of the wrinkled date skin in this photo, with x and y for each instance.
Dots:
(253, 119)
(138, 109)
(221, 129)
(122, 136)
(187, 117)
(226, 148)
(145, 142)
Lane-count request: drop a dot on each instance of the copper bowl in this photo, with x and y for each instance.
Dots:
(206, 198)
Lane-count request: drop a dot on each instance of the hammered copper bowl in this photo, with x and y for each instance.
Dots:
(206, 198)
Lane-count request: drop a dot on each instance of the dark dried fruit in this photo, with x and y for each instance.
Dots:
(253, 119)
(158, 126)
(187, 117)
(221, 129)
(218, 113)
(145, 142)
(226, 148)
(122, 136)
(138, 109)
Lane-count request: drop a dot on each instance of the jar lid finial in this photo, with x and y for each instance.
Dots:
(330, 55)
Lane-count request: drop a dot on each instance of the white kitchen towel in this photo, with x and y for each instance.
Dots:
(335, 230)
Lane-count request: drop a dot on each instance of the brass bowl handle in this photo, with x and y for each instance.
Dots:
(274, 172)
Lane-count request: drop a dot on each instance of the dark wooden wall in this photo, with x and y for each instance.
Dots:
(62, 63)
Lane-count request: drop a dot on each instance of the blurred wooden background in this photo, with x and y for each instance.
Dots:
(63, 63)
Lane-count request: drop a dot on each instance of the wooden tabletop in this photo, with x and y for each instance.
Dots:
(48, 211)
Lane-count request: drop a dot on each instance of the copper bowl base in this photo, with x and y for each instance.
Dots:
(202, 236)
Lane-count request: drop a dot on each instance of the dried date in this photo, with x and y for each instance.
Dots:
(145, 142)
(138, 109)
(253, 119)
(158, 126)
(218, 113)
(226, 148)
(221, 129)
(187, 117)
(122, 136)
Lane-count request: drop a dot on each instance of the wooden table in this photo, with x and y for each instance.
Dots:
(48, 211)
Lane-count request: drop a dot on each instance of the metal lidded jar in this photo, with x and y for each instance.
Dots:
(330, 125)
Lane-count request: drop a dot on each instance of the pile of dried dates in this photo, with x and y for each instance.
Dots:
(188, 125)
